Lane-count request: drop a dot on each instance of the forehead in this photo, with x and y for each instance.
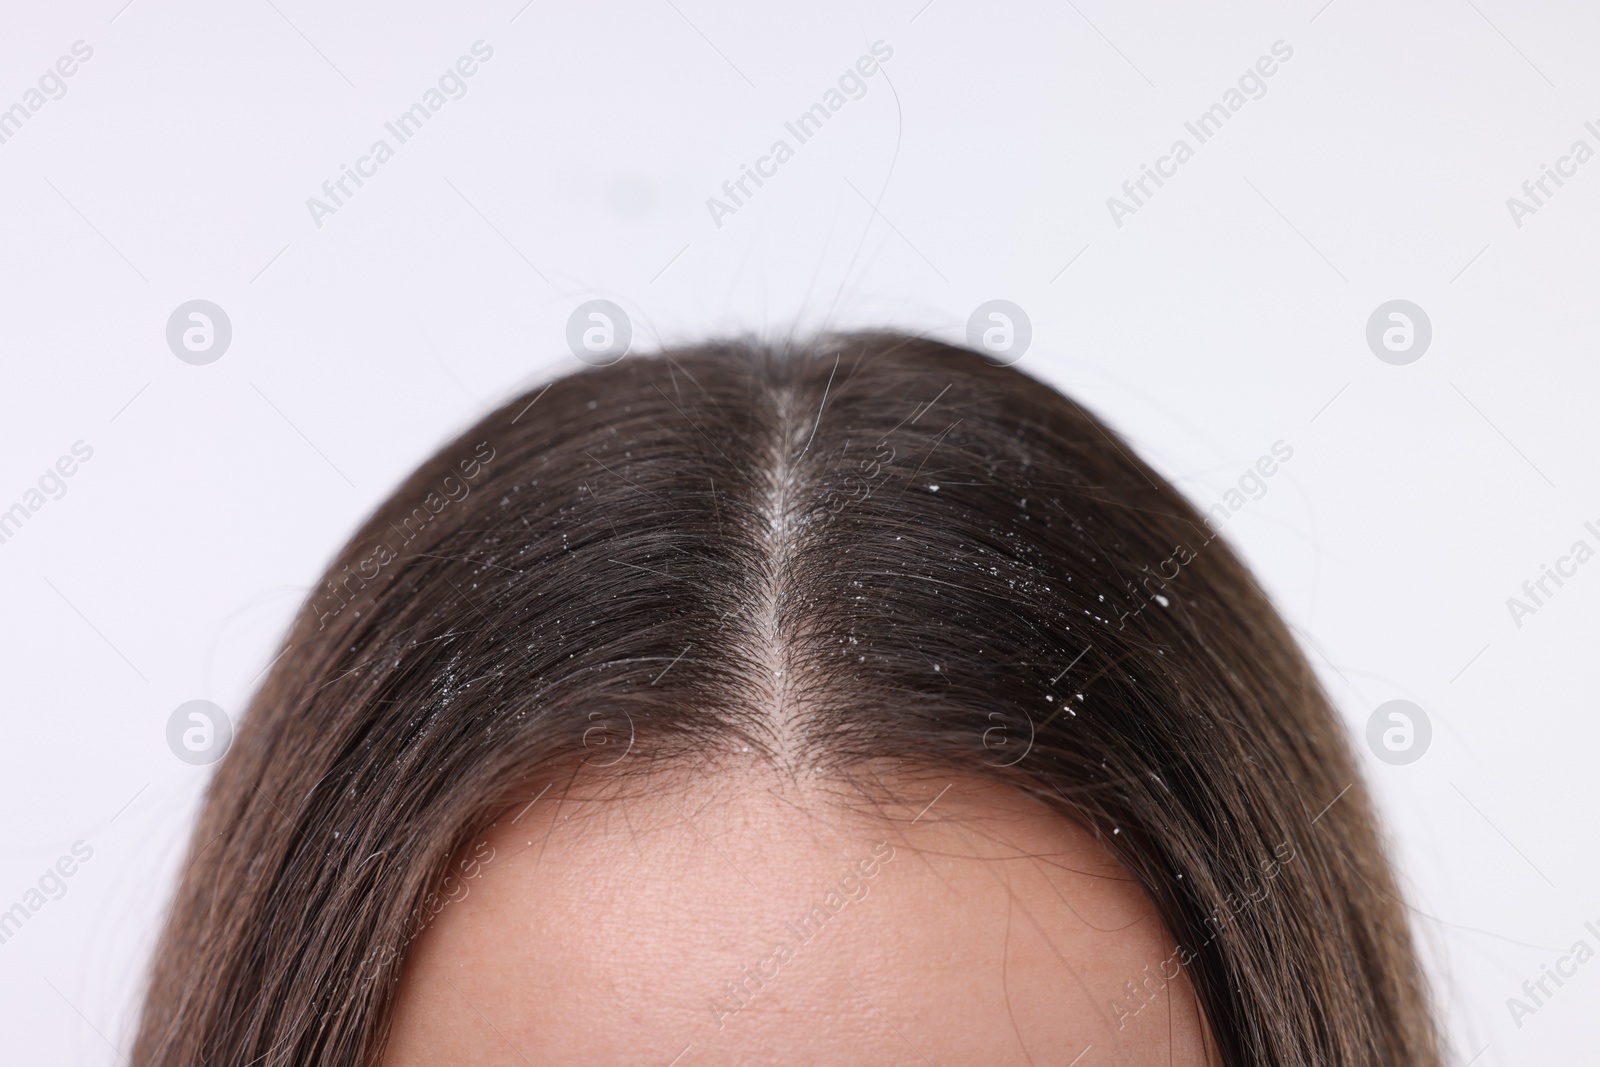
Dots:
(743, 918)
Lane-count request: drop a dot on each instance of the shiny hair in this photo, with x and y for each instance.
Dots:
(859, 547)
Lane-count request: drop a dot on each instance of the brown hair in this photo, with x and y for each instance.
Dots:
(866, 546)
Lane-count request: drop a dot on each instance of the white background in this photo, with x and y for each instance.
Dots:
(1228, 313)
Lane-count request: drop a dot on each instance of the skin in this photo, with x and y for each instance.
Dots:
(612, 916)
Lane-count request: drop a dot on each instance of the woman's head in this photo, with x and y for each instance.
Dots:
(635, 673)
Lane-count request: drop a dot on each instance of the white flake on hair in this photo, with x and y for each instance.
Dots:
(777, 513)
